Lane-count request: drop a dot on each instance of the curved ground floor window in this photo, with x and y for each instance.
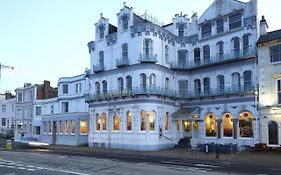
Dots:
(211, 125)
(246, 124)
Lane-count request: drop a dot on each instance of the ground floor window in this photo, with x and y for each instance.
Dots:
(72, 127)
(97, 122)
(3, 121)
(187, 126)
(272, 133)
(227, 125)
(116, 122)
(44, 127)
(66, 127)
(83, 127)
(179, 125)
(143, 121)
(129, 121)
(49, 127)
(61, 127)
(166, 121)
(152, 121)
(246, 124)
(104, 121)
(211, 125)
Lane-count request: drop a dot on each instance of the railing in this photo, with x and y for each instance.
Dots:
(123, 61)
(182, 94)
(98, 68)
(144, 58)
(131, 92)
(220, 58)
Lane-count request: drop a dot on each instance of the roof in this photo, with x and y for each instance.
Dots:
(270, 36)
(186, 113)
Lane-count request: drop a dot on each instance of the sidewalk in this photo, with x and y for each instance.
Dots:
(272, 158)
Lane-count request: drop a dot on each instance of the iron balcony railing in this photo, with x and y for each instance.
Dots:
(211, 92)
(220, 58)
(181, 94)
(123, 61)
(145, 58)
(131, 92)
(98, 68)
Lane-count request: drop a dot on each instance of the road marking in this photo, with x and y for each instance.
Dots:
(64, 171)
(20, 168)
(30, 169)
(206, 165)
(10, 174)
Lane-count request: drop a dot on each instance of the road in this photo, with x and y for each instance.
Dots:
(86, 161)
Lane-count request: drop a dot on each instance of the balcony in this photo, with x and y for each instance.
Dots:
(219, 59)
(144, 58)
(130, 92)
(123, 61)
(98, 68)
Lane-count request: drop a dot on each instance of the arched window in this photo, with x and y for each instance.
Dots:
(167, 83)
(197, 86)
(120, 85)
(197, 56)
(246, 124)
(183, 88)
(129, 121)
(211, 125)
(206, 54)
(97, 86)
(236, 45)
(147, 47)
(103, 121)
(116, 122)
(248, 84)
(220, 49)
(104, 86)
(166, 121)
(101, 58)
(236, 82)
(97, 122)
(143, 121)
(227, 125)
(143, 81)
(125, 51)
(273, 133)
(152, 121)
(129, 82)
(167, 54)
(101, 31)
(206, 86)
(125, 21)
(152, 80)
(220, 83)
(182, 57)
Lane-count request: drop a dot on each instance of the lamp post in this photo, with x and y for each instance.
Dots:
(5, 67)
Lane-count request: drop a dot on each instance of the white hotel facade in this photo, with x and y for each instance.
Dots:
(152, 85)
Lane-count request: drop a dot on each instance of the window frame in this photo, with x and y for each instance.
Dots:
(235, 23)
(65, 89)
(279, 91)
(206, 30)
(278, 54)
(220, 25)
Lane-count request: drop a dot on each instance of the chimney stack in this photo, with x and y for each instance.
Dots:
(263, 26)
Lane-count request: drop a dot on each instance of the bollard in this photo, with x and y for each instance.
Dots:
(9, 144)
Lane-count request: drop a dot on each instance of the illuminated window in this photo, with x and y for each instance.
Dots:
(83, 127)
(187, 126)
(97, 122)
(103, 121)
(129, 121)
(166, 121)
(152, 121)
(61, 127)
(72, 127)
(178, 125)
(66, 127)
(143, 121)
(116, 122)
(211, 125)
(227, 125)
(246, 124)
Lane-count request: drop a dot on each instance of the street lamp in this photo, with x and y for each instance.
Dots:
(11, 68)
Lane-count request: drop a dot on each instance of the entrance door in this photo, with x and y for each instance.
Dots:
(187, 128)
(195, 129)
(272, 133)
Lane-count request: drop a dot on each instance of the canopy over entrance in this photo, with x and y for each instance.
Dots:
(186, 113)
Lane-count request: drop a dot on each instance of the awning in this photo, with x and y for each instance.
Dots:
(186, 113)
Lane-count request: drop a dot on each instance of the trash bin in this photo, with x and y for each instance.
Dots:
(9, 144)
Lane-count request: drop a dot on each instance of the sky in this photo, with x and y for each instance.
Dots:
(47, 39)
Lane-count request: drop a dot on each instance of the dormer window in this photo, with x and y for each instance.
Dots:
(206, 30)
(125, 22)
(101, 32)
(235, 21)
(181, 30)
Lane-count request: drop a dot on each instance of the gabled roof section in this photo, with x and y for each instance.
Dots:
(270, 36)
(137, 19)
(221, 7)
(112, 29)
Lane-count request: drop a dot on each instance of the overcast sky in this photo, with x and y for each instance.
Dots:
(47, 39)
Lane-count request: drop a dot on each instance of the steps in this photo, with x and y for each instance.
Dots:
(183, 143)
